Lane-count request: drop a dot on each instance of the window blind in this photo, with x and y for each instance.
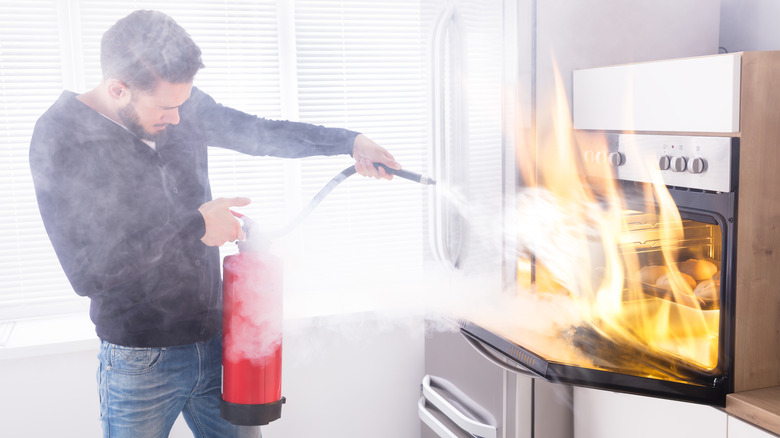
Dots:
(32, 71)
(360, 65)
(345, 64)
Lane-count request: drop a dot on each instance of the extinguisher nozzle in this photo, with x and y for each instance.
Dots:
(411, 176)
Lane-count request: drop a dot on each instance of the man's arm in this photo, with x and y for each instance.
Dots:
(232, 129)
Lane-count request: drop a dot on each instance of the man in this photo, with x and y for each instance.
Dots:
(121, 179)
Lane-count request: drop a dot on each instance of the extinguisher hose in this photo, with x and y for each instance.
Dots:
(315, 201)
(344, 174)
(254, 241)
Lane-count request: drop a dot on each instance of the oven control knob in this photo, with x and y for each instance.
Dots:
(663, 162)
(678, 164)
(697, 165)
(589, 156)
(616, 159)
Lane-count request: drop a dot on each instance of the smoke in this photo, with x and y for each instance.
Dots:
(562, 235)
(338, 300)
(328, 301)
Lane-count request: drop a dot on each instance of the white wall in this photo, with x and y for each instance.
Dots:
(351, 377)
(51, 395)
(749, 25)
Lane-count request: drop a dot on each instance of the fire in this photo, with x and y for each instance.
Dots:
(590, 246)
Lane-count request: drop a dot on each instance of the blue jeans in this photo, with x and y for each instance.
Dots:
(143, 390)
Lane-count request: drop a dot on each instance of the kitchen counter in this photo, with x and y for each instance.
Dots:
(760, 407)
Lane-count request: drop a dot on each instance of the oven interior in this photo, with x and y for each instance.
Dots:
(668, 325)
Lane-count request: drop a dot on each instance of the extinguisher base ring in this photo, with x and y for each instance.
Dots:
(251, 415)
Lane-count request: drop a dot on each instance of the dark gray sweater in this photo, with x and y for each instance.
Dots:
(123, 218)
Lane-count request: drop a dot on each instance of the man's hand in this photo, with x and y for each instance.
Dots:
(366, 152)
(221, 225)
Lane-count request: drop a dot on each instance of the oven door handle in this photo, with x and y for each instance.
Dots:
(464, 412)
(496, 359)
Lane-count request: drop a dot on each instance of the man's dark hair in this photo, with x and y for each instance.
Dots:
(146, 47)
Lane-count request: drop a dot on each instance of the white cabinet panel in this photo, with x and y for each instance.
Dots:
(681, 95)
(604, 414)
(741, 429)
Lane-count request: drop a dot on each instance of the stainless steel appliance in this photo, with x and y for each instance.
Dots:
(493, 66)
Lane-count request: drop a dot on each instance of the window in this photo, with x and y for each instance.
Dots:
(360, 65)
(32, 73)
(336, 63)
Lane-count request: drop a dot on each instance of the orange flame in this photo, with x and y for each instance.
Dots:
(600, 268)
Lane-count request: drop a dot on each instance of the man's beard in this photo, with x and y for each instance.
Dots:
(130, 120)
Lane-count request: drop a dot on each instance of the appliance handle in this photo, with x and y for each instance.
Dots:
(438, 155)
(467, 423)
(428, 418)
(496, 359)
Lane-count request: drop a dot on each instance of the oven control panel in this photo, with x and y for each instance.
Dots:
(694, 162)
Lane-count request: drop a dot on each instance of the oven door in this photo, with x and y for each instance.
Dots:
(667, 347)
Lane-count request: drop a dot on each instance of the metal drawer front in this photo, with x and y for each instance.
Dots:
(444, 405)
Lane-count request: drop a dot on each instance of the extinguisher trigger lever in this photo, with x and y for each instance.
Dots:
(247, 224)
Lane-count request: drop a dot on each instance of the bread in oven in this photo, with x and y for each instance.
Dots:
(707, 290)
(699, 269)
(664, 282)
(649, 274)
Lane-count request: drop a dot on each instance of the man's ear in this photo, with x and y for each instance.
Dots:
(118, 91)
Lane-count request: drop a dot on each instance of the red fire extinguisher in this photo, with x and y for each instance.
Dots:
(252, 320)
(251, 337)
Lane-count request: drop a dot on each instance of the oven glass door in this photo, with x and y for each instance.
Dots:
(670, 335)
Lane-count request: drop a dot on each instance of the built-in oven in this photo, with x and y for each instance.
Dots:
(640, 298)
(646, 235)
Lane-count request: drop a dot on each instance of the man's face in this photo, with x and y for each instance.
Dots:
(149, 113)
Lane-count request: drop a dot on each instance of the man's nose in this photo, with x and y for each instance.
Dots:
(171, 116)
